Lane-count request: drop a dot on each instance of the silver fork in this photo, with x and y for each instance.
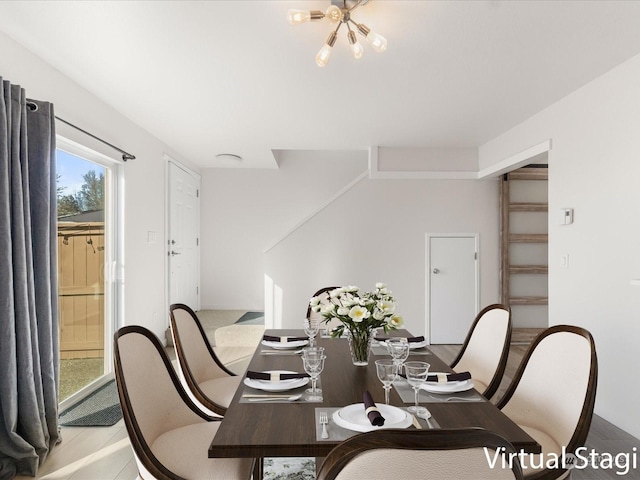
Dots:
(324, 420)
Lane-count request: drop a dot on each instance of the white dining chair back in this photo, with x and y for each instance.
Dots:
(552, 394)
(168, 433)
(208, 382)
(486, 348)
(462, 454)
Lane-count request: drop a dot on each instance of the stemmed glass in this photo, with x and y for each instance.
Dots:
(313, 360)
(387, 371)
(311, 328)
(416, 375)
(398, 348)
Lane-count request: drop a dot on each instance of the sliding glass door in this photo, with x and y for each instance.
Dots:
(87, 258)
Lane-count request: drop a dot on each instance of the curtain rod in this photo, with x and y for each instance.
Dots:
(125, 155)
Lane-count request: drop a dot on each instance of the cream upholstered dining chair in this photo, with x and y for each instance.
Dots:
(207, 381)
(486, 348)
(552, 395)
(169, 435)
(457, 454)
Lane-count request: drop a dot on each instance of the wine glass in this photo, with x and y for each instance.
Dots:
(313, 353)
(311, 328)
(398, 348)
(387, 370)
(313, 365)
(315, 350)
(416, 375)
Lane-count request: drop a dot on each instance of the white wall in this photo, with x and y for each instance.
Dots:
(145, 301)
(244, 212)
(594, 167)
(394, 160)
(376, 233)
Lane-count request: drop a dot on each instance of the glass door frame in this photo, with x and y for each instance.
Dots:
(114, 256)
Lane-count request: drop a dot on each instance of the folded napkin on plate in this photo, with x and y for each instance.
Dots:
(409, 339)
(449, 377)
(445, 377)
(373, 414)
(285, 339)
(275, 376)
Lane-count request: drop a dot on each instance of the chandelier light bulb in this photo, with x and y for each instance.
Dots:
(378, 42)
(322, 58)
(334, 14)
(296, 17)
(356, 47)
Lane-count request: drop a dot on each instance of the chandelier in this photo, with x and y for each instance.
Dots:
(340, 16)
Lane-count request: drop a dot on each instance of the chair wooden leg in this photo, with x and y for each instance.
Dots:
(258, 469)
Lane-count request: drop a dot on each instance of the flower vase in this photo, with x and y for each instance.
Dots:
(360, 346)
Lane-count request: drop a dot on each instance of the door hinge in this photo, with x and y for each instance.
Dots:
(475, 256)
(197, 193)
(197, 242)
(197, 290)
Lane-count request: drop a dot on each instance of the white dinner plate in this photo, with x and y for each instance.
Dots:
(353, 417)
(281, 386)
(285, 345)
(448, 387)
(412, 345)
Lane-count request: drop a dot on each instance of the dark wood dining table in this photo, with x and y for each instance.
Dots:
(266, 429)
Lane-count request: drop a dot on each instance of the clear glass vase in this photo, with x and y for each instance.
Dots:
(360, 346)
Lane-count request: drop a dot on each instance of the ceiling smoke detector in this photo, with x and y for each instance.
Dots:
(229, 156)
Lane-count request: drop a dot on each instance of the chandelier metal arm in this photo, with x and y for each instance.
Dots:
(333, 35)
(361, 27)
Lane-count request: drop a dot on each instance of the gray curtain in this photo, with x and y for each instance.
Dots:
(29, 358)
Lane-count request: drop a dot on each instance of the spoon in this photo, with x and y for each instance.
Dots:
(291, 398)
(426, 414)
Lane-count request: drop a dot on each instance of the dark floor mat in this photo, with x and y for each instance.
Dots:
(99, 409)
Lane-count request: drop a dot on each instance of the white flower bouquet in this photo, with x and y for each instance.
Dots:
(359, 311)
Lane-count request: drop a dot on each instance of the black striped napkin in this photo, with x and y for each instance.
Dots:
(285, 339)
(275, 376)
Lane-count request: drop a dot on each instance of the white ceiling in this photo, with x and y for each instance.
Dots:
(209, 77)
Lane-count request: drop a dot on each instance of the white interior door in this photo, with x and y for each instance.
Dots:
(183, 240)
(453, 287)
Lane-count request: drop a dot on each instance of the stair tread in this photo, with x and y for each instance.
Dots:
(528, 238)
(528, 207)
(528, 269)
(529, 300)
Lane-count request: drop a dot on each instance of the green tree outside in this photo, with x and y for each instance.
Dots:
(89, 198)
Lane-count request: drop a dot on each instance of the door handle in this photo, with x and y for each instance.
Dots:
(436, 271)
(172, 253)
